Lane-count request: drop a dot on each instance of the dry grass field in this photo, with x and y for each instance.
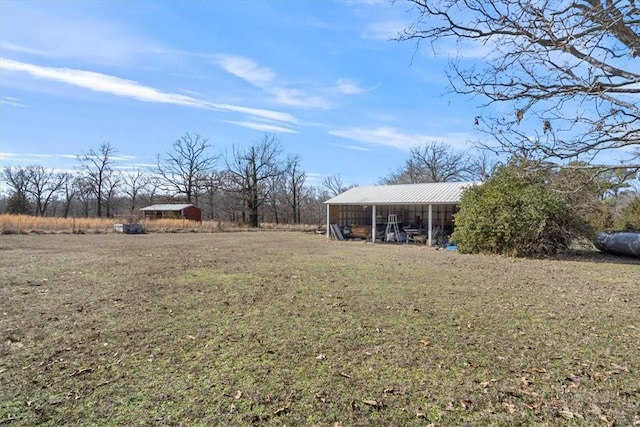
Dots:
(287, 328)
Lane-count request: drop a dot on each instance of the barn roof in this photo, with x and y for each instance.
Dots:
(166, 207)
(403, 194)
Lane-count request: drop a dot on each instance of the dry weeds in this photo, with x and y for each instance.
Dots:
(27, 224)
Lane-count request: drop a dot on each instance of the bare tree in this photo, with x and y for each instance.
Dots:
(43, 186)
(133, 184)
(212, 184)
(334, 184)
(112, 185)
(181, 169)
(294, 178)
(250, 169)
(275, 197)
(69, 191)
(96, 167)
(431, 163)
(567, 72)
(481, 166)
(84, 191)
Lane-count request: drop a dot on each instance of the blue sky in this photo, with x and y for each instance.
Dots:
(321, 75)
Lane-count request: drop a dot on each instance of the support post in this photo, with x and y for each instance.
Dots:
(373, 224)
(328, 224)
(430, 224)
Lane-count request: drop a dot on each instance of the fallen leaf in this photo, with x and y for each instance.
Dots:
(238, 395)
(619, 368)
(464, 403)
(342, 374)
(281, 411)
(321, 357)
(510, 407)
(595, 409)
(373, 403)
(526, 381)
(322, 397)
(425, 342)
(566, 413)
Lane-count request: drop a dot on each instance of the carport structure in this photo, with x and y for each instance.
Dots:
(416, 206)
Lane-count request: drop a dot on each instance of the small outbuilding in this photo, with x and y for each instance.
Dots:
(418, 212)
(172, 211)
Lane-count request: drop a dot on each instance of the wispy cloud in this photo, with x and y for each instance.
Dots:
(17, 48)
(25, 157)
(266, 80)
(351, 147)
(262, 126)
(391, 137)
(247, 69)
(104, 83)
(349, 87)
(8, 100)
(298, 98)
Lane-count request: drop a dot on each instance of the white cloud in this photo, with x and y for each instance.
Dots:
(351, 147)
(298, 98)
(266, 80)
(390, 137)
(123, 158)
(22, 49)
(24, 157)
(380, 136)
(262, 126)
(8, 100)
(7, 156)
(103, 83)
(265, 114)
(348, 87)
(247, 69)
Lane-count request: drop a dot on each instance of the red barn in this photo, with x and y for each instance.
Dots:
(172, 211)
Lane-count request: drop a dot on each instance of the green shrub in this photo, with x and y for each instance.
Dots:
(516, 213)
(629, 218)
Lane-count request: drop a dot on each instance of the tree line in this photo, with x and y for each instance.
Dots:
(249, 185)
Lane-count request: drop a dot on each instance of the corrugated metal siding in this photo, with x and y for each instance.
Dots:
(165, 207)
(406, 194)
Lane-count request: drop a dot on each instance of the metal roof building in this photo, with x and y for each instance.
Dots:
(172, 211)
(410, 205)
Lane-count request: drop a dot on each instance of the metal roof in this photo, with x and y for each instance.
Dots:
(404, 194)
(165, 207)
